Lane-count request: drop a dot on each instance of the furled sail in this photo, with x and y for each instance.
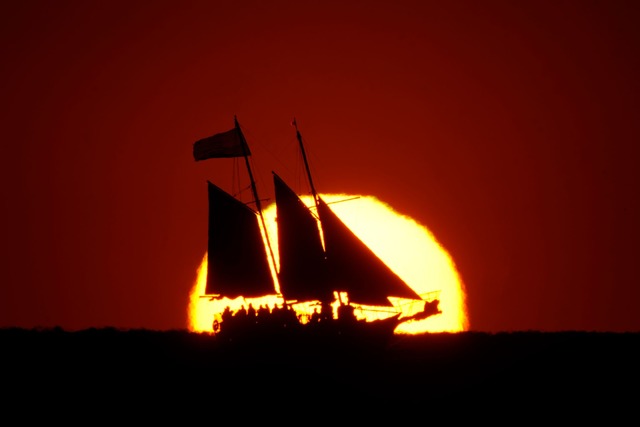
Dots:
(356, 269)
(302, 261)
(237, 259)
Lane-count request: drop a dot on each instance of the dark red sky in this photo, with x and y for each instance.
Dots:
(509, 129)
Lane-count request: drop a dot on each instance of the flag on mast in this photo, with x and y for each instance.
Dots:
(221, 145)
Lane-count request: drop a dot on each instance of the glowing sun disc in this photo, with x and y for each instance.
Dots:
(407, 247)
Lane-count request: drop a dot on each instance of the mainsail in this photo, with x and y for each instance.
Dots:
(302, 273)
(308, 272)
(344, 264)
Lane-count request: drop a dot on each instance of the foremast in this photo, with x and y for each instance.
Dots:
(254, 190)
(240, 255)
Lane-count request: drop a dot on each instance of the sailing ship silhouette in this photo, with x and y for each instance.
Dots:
(320, 260)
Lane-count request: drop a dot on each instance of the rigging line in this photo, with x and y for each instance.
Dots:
(343, 200)
(252, 169)
(283, 153)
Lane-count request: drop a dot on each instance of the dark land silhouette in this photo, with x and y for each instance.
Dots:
(111, 369)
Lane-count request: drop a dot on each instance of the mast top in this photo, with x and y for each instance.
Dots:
(306, 163)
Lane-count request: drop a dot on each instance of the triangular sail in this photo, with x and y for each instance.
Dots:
(302, 261)
(356, 269)
(237, 259)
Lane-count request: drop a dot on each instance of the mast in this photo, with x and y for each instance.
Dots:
(326, 304)
(365, 278)
(254, 189)
(306, 164)
(315, 197)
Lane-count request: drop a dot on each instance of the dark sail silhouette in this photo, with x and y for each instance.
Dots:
(237, 260)
(356, 269)
(319, 257)
(302, 273)
(309, 272)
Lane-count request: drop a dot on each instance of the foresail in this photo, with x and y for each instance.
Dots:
(356, 269)
(237, 259)
(302, 261)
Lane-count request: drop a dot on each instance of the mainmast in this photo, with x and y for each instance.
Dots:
(316, 200)
(306, 164)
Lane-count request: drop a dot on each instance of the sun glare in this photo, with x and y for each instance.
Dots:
(407, 247)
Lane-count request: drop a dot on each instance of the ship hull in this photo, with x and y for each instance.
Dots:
(328, 331)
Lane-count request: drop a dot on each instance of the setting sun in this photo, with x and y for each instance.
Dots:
(407, 247)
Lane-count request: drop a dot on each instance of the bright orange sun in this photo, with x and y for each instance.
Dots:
(407, 247)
